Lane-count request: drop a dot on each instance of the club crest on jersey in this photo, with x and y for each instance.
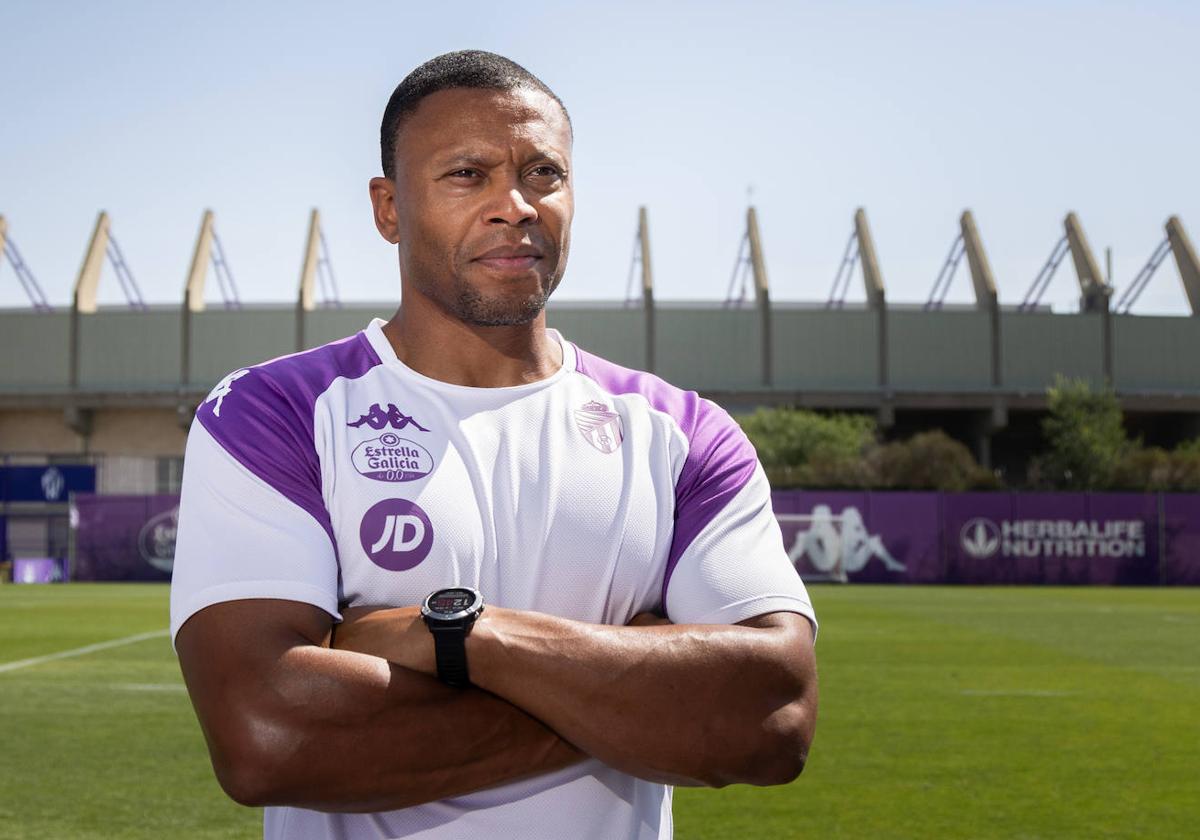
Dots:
(390, 457)
(377, 418)
(600, 427)
(396, 534)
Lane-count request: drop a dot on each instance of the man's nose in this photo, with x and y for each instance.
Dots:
(511, 207)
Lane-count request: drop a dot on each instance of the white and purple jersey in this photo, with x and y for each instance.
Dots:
(342, 478)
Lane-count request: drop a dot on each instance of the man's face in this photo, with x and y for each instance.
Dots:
(482, 202)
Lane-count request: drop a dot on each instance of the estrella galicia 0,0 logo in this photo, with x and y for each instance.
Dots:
(390, 457)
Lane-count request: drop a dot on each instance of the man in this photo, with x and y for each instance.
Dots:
(643, 626)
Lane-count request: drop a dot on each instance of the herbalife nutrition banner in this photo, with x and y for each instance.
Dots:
(1059, 538)
(1018, 538)
(901, 537)
(123, 537)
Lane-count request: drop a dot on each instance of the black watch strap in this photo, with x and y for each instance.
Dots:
(450, 649)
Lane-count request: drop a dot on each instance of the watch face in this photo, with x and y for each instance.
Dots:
(447, 602)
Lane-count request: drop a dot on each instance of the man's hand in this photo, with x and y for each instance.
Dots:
(689, 704)
(290, 722)
(397, 634)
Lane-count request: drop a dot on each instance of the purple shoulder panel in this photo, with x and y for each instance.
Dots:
(263, 416)
(720, 457)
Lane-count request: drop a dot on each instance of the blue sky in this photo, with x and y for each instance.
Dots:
(913, 110)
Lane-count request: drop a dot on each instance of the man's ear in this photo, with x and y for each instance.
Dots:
(383, 204)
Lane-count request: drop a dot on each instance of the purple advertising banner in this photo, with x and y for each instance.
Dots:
(988, 538)
(867, 537)
(124, 537)
(1181, 529)
(37, 570)
(1055, 538)
(861, 536)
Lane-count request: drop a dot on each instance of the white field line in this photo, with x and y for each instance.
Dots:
(82, 651)
(1017, 692)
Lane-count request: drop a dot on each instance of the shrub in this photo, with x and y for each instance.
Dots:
(789, 437)
(806, 449)
(930, 461)
(1156, 470)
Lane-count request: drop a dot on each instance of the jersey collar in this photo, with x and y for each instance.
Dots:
(383, 348)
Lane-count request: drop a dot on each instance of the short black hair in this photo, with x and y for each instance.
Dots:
(463, 69)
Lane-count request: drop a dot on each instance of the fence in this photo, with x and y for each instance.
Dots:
(876, 537)
(985, 538)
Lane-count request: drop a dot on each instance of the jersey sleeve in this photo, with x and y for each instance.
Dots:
(252, 522)
(727, 560)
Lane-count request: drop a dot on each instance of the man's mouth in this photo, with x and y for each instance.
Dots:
(520, 257)
(520, 263)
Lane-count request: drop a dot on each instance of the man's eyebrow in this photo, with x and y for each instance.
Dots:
(483, 160)
(552, 156)
(470, 158)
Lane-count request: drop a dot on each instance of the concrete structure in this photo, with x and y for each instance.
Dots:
(123, 382)
(1185, 261)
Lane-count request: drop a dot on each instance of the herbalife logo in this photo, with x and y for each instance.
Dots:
(377, 418)
(984, 538)
(980, 538)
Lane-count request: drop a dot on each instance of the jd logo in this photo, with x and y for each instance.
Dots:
(377, 418)
(980, 538)
(396, 534)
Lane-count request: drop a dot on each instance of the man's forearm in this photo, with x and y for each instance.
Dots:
(339, 731)
(697, 704)
(378, 739)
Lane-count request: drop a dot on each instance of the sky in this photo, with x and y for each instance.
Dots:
(1021, 111)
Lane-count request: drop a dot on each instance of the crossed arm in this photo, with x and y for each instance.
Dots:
(365, 726)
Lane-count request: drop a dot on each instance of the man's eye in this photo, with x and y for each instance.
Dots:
(464, 173)
(546, 171)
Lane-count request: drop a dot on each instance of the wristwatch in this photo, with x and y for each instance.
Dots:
(450, 614)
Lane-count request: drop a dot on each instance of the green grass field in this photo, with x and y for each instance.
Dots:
(945, 713)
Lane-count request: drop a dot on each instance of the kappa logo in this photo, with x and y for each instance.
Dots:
(838, 545)
(390, 457)
(980, 538)
(377, 418)
(396, 534)
(600, 427)
(222, 389)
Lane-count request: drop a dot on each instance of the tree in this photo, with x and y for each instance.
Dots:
(1086, 438)
(799, 447)
(806, 449)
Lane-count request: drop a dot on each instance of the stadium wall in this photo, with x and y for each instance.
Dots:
(880, 537)
(122, 381)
